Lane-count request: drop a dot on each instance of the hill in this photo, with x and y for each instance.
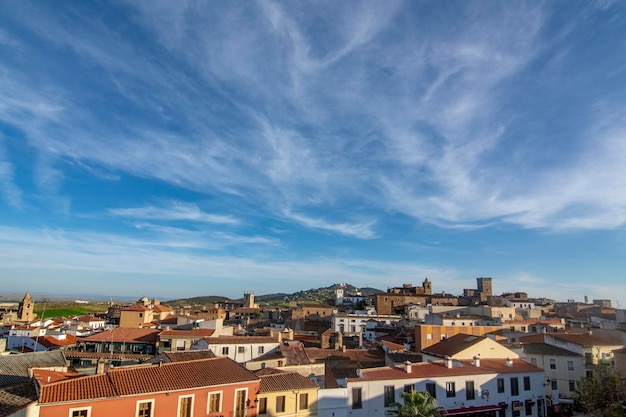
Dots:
(313, 295)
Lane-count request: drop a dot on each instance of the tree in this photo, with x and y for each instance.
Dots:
(417, 404)
(602, 393)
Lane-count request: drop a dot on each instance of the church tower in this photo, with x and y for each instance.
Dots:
(25, 312)
(428, 287)
(248, 300)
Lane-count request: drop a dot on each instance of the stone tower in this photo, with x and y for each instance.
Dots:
(248, 300)
(25, 312)
(428, 287)
(485, 286)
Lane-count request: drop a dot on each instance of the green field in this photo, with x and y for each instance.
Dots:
(68, 309)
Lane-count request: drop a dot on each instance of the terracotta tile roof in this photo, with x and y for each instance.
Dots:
(14, 368)
(438, 369)
(294, 354)
(453, 345)
(589, 340)
(393, 347)
(268, 371)
(148, 379)
(285, 382)
(535, 321)
(192, 333)
(161, 308)
(546, 349)
(367, 357)
(234, 340)
(89, 318)
(124, 334)
(46, 376)
(52, 342)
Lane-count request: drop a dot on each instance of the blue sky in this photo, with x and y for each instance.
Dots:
(183, 148)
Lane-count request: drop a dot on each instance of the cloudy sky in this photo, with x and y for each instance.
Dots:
(183, 148)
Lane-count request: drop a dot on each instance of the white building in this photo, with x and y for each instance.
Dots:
(356, 322)
(239, 348)
(465, 388)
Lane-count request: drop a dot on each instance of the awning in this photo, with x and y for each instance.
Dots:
(471, 410)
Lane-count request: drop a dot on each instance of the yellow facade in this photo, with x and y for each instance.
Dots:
(296, 403)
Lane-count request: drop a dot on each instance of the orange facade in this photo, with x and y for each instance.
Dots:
(428, 335)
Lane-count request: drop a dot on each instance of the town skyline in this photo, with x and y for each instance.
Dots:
(185, 148)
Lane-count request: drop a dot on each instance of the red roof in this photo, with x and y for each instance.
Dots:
(438, 369)
(125, 334)
(285, 382)
(147, 379)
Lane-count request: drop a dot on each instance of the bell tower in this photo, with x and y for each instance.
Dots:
(25, 312)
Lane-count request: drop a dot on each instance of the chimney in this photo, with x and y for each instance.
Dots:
(448, 361)
(100, 367)
(359, 372)
(477, 361)
(509, 362)
(407, 367)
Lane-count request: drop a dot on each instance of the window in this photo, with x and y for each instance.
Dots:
(514, 386)
(409, 388)
(241, 349)
(185, 406)
(500, 385)
(280, 404)
(215, 402)
(263, 405)
(429, 336)
(357, 400)
(552, 363)
(225, 350)
(431, 387)
(80, 412)
(570, 365)
(261, 350)
(304, 401)
(144, 408)
(526, 383)
(572, 385)
(529, 408)
(390, 395)
(554, 384)
(533, 361)
(450, 389)
(470, 393)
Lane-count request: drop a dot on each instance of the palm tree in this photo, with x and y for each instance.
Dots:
(417, 404)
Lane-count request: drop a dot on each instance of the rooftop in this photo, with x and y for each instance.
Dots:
(147, 379)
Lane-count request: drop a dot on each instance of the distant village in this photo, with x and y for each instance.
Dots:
(478, 354)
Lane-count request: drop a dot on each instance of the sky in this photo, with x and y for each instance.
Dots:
(179, 148)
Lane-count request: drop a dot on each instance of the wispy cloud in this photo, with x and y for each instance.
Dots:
(173, 211)
(9, 190)
(358, 230)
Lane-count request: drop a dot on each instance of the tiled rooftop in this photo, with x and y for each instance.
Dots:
(438, 369)
(285, 382)
(546, 349)
(453, 345)
(125, 334)
(148, 379)
(234, 340)
(187, 355)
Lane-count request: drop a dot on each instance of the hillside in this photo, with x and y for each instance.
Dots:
(313, 295)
